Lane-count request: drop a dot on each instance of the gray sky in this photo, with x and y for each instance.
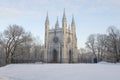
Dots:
(91, 16)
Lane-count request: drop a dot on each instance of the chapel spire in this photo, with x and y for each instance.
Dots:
(64, 15)
(57, 24)
(73, 21)
(47, 19)
(64, 20)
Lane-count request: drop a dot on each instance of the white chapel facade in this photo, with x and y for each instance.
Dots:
(60, 42)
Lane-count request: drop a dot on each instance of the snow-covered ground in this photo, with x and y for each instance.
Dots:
(101, 71)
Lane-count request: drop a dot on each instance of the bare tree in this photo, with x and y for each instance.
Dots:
(105, 46)
(2, 51)
(14, 35)
(100, 45)
(113, 43)
(22, 53)
(91, 44)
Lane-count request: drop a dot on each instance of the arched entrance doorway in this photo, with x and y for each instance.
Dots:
(70, 56)
(55, 56)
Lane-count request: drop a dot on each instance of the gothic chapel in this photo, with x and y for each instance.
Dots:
(60, 42)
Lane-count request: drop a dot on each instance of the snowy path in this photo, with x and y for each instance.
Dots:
(60, 72)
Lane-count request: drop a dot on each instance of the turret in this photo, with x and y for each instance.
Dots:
(64, 26)
(46, 30)
(74, 38)
(46, 38)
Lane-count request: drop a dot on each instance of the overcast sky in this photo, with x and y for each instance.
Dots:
(91, 16)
